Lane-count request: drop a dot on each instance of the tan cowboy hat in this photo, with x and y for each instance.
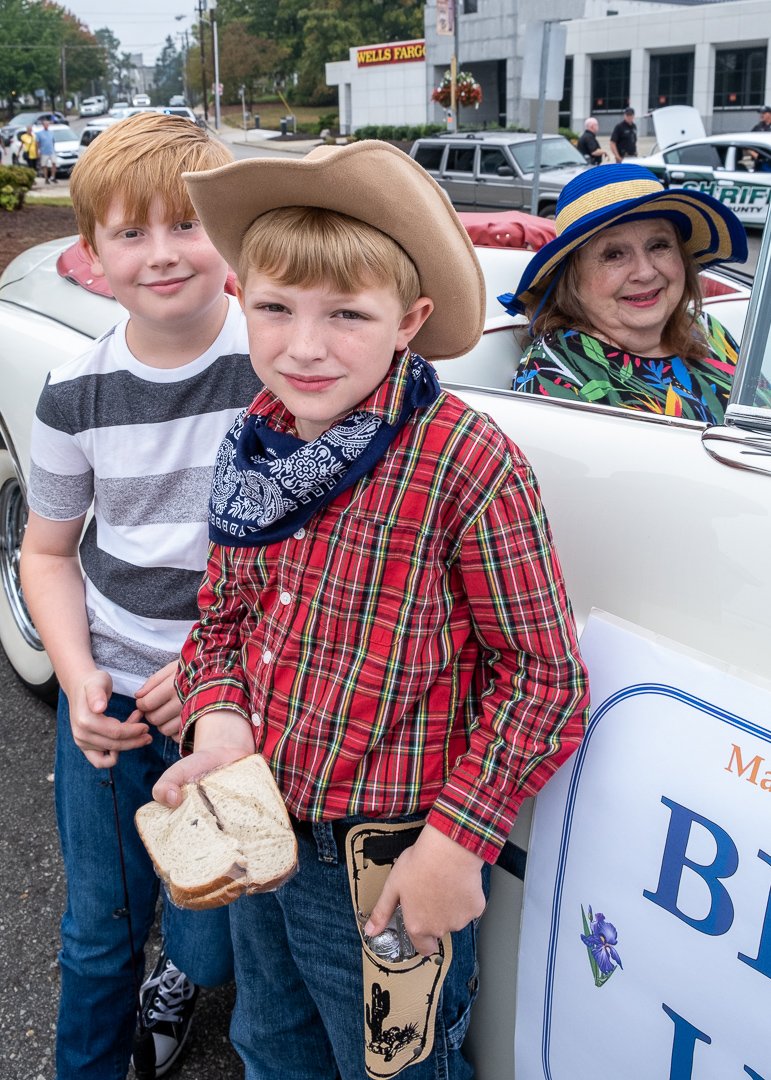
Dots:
(375, 183)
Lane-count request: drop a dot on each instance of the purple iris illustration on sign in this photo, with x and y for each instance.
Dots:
(600, 938)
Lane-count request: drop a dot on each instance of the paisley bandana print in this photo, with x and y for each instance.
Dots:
(267, 484)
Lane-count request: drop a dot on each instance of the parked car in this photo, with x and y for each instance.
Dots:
(662, 521)
(118, 108)
(177, 99)
(66, 143)
(140, 100)
(94, 128)
(93, 106)
(183, 110)
(494, 170)
(735, 168)
(23, 120)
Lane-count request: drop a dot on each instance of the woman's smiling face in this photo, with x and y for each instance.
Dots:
(631, 277)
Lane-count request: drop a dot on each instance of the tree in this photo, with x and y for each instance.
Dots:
(111, 56)
(310, 33)
(45, 48)
(245, 60)
(83, 66)
(327, 35)
(168, 73)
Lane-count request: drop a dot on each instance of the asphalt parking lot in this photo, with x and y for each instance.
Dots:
(31, 901)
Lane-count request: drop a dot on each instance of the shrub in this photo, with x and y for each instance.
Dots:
(326, 121)
(15, 182)
(571, 136)
(400, 133)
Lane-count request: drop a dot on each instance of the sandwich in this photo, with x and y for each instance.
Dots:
(230, 835)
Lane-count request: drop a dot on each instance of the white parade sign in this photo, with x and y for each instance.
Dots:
(646, 935)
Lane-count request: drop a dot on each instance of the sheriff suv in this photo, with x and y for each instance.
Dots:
(492, 171)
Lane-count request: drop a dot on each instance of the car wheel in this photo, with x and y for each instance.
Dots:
(547, 210)
(14, 159)
(18, 636)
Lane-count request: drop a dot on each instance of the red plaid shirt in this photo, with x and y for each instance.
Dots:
(412, 648)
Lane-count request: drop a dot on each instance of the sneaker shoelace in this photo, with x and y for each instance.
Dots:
(172, 989)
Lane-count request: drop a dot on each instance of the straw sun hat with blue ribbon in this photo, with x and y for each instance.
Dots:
(612, 194)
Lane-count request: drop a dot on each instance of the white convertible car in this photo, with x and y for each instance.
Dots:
(664, 522)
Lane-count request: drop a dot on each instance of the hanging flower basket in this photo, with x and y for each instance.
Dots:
(467, 90)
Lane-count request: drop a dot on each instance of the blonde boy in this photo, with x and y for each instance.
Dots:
(383, 616)
(128, 430)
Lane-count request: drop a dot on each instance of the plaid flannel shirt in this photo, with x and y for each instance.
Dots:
(412, 648)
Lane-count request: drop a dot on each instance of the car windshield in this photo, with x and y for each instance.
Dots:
(64, 135)
(23, 120)
(555, 154)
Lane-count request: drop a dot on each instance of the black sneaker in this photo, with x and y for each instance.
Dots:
(168, 999)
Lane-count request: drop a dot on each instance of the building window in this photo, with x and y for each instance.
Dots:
(671, 80)
(469, 7)
(566, 105)
(740, 77)
(610, 84)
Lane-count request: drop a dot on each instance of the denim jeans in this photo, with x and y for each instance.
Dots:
(97, 1009)
(299, 1011)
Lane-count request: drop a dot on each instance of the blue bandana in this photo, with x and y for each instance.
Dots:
(268, 484)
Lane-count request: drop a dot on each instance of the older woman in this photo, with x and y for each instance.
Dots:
(614, 301)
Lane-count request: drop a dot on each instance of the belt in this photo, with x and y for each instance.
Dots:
(384, 848)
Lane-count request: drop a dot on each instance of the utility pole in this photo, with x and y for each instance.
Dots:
(64, 80)
(201, 30)
(454, 66)
(216, 50)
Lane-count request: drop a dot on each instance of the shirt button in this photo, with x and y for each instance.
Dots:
(299, 535)
(285, 598)
(256, 720)
(267, 656)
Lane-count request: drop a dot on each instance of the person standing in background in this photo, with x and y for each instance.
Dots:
(588, 144)
(46, 149)
(764, 124)
(29, 148)
(623, 139)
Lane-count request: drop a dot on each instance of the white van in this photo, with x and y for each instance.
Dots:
(93, 106)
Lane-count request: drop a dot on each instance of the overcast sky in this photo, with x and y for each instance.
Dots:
(142, 29)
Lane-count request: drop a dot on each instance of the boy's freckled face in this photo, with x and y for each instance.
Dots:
(321, 352)
(161, 269)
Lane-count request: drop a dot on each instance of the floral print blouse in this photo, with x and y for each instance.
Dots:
(570, 364)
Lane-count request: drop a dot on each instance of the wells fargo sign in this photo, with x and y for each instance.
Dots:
(402, 53)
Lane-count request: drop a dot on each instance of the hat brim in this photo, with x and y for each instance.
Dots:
(711, 233)
(375, 183)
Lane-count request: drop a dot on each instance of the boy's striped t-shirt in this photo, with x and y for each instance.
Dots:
(138, 443)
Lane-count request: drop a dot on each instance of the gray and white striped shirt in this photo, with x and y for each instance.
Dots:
(139, 444)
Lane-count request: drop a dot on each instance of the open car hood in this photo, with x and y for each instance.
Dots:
(677, 123)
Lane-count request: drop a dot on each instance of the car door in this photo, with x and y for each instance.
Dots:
(498, 184)
(727, 172)
(746, 181)
(693, 166)
(458, 176)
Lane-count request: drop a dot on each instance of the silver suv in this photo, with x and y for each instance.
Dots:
(494, 171)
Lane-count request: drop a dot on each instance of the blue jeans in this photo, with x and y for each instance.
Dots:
(299, 1000)
(97, 1009)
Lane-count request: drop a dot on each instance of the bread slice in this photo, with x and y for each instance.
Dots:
(230, 835)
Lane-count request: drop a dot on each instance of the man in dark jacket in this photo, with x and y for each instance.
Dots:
(588, 144)
(623, 139)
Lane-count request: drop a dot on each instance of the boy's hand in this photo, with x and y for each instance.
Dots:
(220, 737)
(157, 701)
(439, 886)
(102, 737)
